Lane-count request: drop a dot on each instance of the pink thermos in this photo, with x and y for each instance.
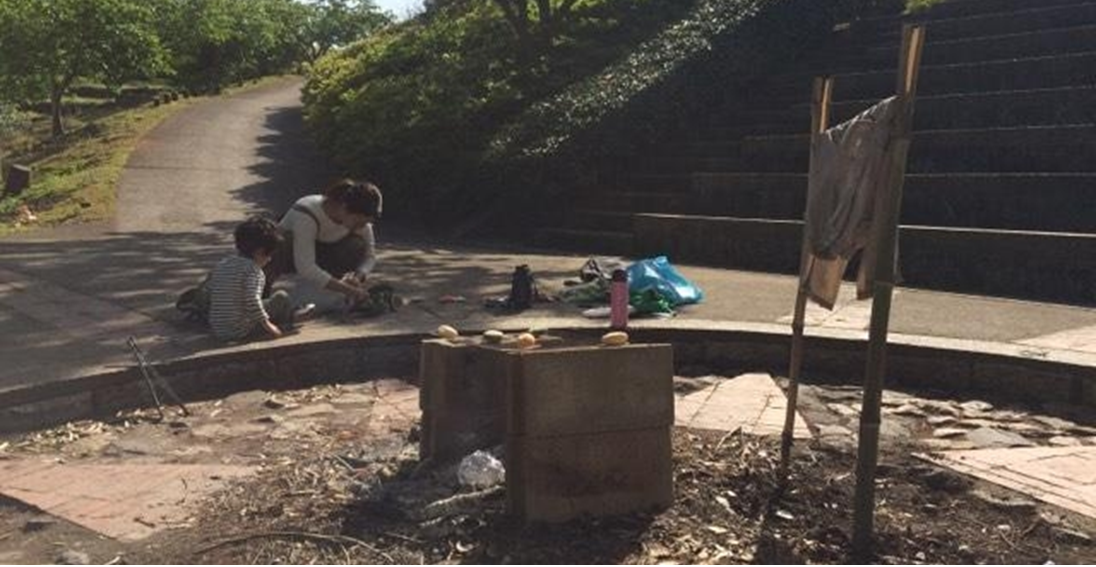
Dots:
(618, 301)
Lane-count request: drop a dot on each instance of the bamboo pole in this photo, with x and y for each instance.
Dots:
(820, 119)
(885, 240)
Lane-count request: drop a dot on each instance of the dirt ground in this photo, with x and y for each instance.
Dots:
(339, 481)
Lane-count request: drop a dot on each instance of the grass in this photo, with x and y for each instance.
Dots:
(914, 6)
(74, 180)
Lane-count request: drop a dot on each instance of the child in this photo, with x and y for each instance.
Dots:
(236, 308)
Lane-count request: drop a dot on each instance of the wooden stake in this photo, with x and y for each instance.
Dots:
(820, 119)
(885, 240)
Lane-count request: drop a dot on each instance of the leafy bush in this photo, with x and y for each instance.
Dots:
(451, 115)
(915, 6)
(415, 105)
(12, 119)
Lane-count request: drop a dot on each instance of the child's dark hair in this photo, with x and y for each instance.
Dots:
(359, 197)
(257, 234)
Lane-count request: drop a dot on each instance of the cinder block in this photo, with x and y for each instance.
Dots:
(453, 435)
(462, 397)
(554, 479)
(586, 390)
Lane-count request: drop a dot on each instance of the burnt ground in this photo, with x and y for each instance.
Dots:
(345, 486)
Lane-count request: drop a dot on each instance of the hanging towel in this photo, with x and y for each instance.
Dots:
(848, 173)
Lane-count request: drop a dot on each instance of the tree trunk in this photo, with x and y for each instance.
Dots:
(55, 109)
(547, 23)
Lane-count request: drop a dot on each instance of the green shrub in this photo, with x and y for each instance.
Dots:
(914, 6)
(415, 105)
(12, 120)
(450, 115)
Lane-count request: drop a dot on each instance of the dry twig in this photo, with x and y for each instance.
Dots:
(343, 540)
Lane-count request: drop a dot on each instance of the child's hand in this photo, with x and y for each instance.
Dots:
(272, 329)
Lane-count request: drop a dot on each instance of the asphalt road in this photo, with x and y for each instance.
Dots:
(212, 164)
(182, 191)
(70, 295)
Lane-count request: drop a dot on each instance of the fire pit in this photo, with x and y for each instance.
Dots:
(586, 428)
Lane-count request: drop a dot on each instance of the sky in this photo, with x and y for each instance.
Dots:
(399, 7)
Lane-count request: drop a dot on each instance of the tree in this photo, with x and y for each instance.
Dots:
(212, 42)
(47, 44)
(535, 22)
(334, 23)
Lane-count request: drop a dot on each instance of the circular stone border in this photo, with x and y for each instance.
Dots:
(1001, 372)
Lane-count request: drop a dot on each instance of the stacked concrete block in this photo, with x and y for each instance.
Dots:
(462, 397)
(588, 431)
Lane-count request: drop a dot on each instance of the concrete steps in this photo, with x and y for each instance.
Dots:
(1036, 72)
(1001, 183)
(600, 220)
(1034, 265)
(1050, 148)
(1023, 201)
(1034, 107)
(594, 242)
(1058, 148)
(1043, 42)
(1005, 18)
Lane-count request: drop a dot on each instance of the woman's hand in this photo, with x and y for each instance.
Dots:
(349, 288)
(354, 291)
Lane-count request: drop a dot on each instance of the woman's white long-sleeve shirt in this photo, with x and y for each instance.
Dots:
(307, 231)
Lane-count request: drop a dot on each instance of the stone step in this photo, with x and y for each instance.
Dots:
(625, 180)
(603, 219)
(1054, 203)
(594, 242)
(1058, 267)
(632, 201)
(1041, 42)
(1063, 148)
(1021, 16)
(1034, 107)
(1051, 71)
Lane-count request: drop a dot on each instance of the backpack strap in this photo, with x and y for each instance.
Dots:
(305, 210)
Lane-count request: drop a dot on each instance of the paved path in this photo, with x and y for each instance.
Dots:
(69, 298)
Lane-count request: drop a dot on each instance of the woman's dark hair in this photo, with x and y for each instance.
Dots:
(255, 234)
(359, 197)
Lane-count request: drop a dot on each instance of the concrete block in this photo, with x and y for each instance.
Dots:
(554, 479)
(449, 436)
(590, 389)
(462, 397)
(16, 179)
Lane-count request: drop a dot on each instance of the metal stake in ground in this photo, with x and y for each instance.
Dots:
(886, 239)
(152, 377)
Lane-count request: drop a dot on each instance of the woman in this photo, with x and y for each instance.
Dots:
(329, 239)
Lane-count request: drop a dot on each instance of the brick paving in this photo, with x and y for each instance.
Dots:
(125, 501)
(751, 402)
(1063, 476)
(395, 406)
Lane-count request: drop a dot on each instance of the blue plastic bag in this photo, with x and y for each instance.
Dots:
(658, 274)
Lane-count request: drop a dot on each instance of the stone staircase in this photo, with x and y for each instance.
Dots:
(1000, 197)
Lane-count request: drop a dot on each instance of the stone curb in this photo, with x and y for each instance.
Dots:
(957, 367)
